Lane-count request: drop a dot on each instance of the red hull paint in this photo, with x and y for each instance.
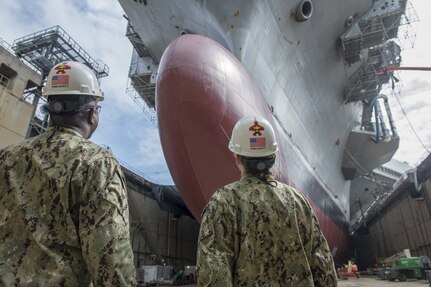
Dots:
(202, 90)
(335, 236)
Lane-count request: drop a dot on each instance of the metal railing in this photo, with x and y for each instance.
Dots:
(60, 46)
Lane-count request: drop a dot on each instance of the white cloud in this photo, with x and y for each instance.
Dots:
(416, 85)
(149, 148)
(415, 95)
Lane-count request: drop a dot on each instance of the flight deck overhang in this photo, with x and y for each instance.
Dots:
(363, 154)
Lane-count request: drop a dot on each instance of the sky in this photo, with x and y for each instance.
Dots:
(99, 27)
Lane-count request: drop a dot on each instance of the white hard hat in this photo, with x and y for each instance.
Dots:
(72, 78)
(253, 137)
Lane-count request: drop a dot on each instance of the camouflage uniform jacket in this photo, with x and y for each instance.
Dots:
(64, 218)
(254, 234)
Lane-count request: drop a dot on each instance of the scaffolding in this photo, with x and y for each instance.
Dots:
(367, 82)
(142, 75)
(384, 21)
(150, 112)
(137, 43)
(372, 46)
(41, 51)
(48, 47)
(377, 38)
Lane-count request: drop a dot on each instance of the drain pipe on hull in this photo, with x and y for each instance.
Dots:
(389, 113)
(376, 115)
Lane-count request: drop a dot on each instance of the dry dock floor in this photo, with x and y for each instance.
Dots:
(372, 282)
(375, 282)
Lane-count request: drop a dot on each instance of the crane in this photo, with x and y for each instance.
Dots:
(389, 69)
(396, 68)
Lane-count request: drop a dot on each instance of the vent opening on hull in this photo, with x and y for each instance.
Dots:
(304, 11)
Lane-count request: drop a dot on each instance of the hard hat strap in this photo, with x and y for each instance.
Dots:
(68, 104)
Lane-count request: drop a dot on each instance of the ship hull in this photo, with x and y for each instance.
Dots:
(202, 90)
(290, 72)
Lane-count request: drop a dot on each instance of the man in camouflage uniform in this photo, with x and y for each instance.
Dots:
(258, 231)
(64, 218)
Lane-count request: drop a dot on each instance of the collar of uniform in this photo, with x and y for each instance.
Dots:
(246, 175)
(66, 130)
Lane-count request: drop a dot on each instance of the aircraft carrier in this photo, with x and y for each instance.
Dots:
(319, 71)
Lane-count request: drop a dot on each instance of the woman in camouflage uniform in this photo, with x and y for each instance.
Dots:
(258, 231)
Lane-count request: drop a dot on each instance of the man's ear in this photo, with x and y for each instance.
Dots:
(92, 114)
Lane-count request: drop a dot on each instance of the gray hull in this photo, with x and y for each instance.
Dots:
(306, 73)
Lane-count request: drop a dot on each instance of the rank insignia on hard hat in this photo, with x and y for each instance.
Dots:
(257, 143)
(256, 129)
(61, 69)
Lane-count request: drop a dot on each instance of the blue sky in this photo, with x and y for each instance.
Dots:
(99, 27)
